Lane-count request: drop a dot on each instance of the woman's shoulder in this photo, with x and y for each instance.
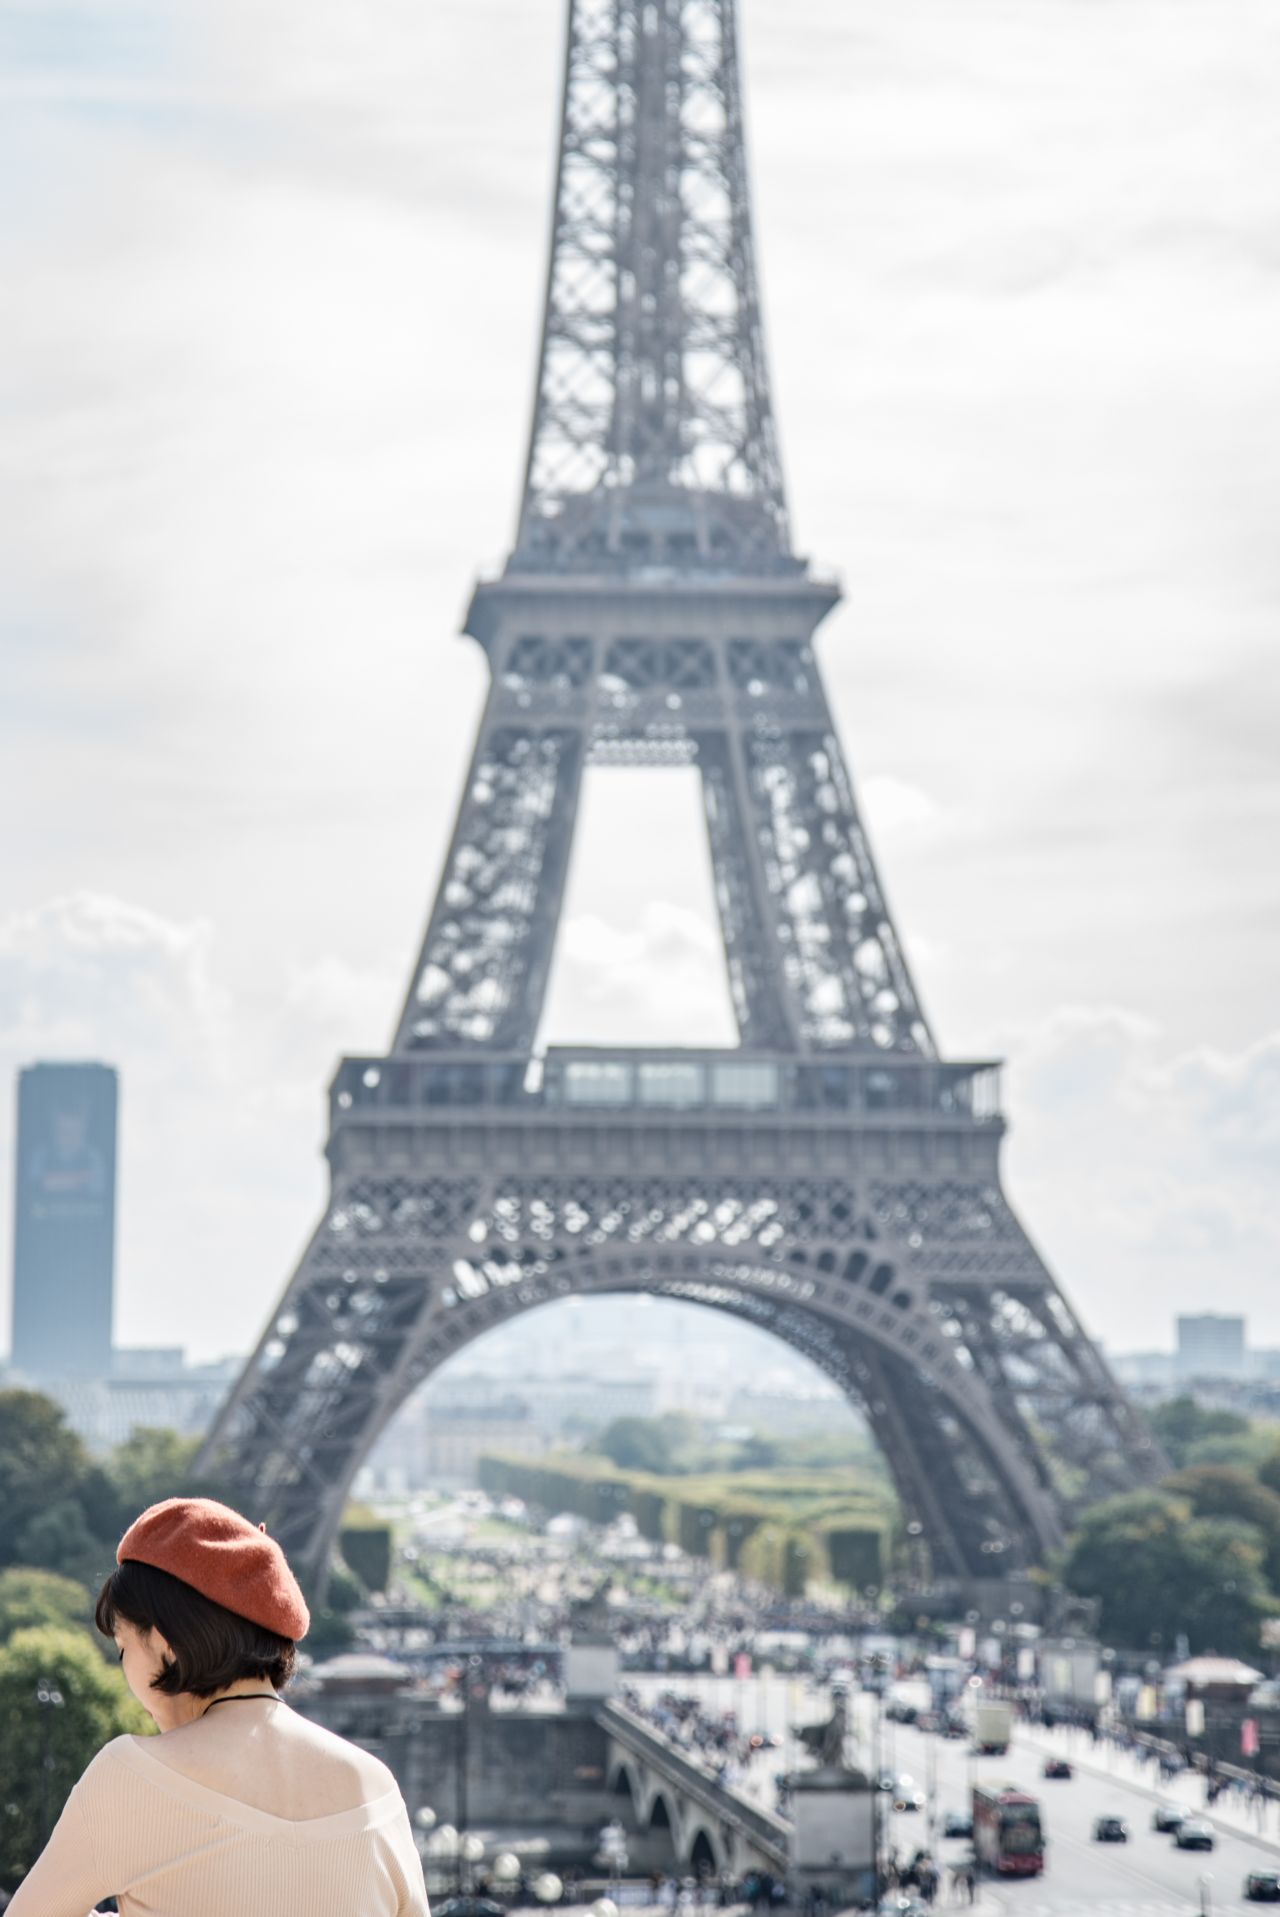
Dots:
(290, 1767)
(104, 1770)
(338, 1753)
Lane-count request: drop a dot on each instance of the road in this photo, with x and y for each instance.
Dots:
(1147, 1877)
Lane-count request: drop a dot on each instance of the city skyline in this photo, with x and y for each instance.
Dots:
(297, 727)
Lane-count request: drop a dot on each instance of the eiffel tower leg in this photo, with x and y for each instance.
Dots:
(764, 1014)
(333, 1366)
(482, 972)
(1049, 1381)
(901, 1431)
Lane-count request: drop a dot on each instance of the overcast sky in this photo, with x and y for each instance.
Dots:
(271, 275)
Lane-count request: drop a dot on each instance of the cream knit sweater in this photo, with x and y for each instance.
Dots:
(167, 1846)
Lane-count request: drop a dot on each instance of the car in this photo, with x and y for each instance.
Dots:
(1167, 1817)
(1193, 1834)
(1056, 1767)
(900, 1904)
(1110, 1830)
(469, 1907)
(957, 1824)
(905, 1795)
(1263, 1886)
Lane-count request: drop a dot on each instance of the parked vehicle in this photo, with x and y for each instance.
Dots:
(1110, 1830)
(905, 1795)
(992, 1726)
(1194, 1834)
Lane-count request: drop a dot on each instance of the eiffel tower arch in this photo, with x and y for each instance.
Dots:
(831, 1179)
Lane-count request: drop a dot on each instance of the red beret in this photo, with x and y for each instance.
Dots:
(224, 1557)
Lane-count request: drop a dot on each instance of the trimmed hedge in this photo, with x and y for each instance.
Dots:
(366, 1552)
(787, 1529)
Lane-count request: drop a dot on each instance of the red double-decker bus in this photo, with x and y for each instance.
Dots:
(1008, 1835)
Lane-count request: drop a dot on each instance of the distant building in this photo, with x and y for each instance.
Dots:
(787, 1414)
(140, 1362)
(1211, 1346)
(438, 1439)
(1145, 1368)
(438, 1447)
(64, 1221)
(169, 1395)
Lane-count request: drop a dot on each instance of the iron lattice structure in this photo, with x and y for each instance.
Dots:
(832, 1179)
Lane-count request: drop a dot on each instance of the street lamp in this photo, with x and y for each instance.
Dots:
(1206, 1885)
(470, 1853)
(547, 1888)
(613, 1849)
(506, 1867)
(50, 1699)
(440, 1846)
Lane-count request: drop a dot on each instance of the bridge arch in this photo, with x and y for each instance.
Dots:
(658, 1816)
(622, 1784)
(405, 1273)
(705, 1857)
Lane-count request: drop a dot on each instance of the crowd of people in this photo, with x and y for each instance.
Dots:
(717, 1743)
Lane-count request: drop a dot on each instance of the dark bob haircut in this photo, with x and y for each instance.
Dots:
(211, 1646)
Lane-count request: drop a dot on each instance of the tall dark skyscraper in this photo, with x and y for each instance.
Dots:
(64, 1220)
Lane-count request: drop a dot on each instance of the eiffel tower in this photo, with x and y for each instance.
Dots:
(831, 1179)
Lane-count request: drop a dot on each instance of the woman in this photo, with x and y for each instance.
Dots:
(240, 1805)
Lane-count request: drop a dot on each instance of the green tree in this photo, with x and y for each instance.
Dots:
(366, 1549)
(152, 1463)
(95, 1707)
(1181, 1424)
(330, 1634)
(1222, 1491)
(637, 1444)
(29, 1599)
(1160, 1570)
(44, 1464)
(59, 1539)
(1269, 1470)
(1242, 1450)
(757, 1452)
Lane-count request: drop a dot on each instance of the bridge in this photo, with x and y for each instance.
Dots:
(707, 1824)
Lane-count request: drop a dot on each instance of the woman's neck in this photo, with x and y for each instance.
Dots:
(187, 1709)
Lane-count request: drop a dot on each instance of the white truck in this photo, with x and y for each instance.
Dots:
(992, 1726)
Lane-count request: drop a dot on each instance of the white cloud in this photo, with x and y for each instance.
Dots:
(659, 982)
(894, 808)
(221, 1101)
(1149, 1178)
